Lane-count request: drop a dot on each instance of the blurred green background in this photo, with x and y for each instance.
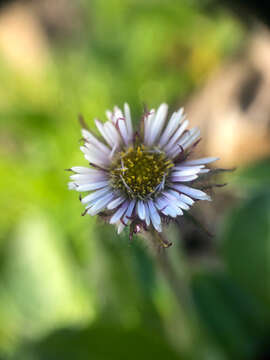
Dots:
(69, 286)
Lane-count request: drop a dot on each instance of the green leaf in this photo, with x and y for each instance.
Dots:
(255, 175)
(233, 319)
(246, 245)
(100, 342)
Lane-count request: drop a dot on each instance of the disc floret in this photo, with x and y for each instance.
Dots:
(140, 172)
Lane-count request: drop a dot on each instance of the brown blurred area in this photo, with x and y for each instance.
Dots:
(233, 108)
(28, 27)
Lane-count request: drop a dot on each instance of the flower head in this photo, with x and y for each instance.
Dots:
(140, 179)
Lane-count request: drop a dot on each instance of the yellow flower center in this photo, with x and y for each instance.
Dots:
(140, 172)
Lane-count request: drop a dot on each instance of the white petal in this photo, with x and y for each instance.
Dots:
(93, 140)
(117, 113)
(89, 181)
(175, 121)
(109, 115)
(120, 227)
(183, 178)
(128, 121)
(100, 204)
(95, 152)
(117, 215)
(103, 132)
(92, 186)
(192, 139)
(194, 193)
(161, 202)
(188, 171)
(186, 136)
(182, 205)
(95, 195)
(186, 199)
(72, 186)
(116, 202)
(147, 215)
(93, 149)
(84, 170)
(148, 119)
(172, 205)
(112, 133)
(204, 171)
(141, 209)
(175, 201)
(154, 216)
(201, 161)
(129, 212)
(89, 177)
(176, 136)
(158, 123)
(184, 166)
(94, 158)
(123, 130)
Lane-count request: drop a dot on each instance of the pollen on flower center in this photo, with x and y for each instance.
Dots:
(140, 172)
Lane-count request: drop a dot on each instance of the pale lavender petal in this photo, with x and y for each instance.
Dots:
(118, 214)
(93, 151)
(94, 158)
(92, 186)
(147, 215)
(174, 151)
(201, 161)
(186, 199)
(95, 195)
(72, 186)
(157, 123)
(120, 227)
(112, 132)
(183, 178)
(174, 122)
(192, 139)
(194, 193)
(103, 132)
(89, 177)
(154, 216)
(89, 181)
(123, 130)
(85, 170)
(141, 209)
(128, 121)
(184, 166)
(129, 211)
(169, 211)
(93, 140)
(176, 136)
(161, 202)
(148, 119)
(100, 204)
(204, 171)
(189, 171)
(117, 113)
(116, 202)
(174, 200)
(109, 115)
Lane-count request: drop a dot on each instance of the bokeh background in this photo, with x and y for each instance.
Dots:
(70, 288)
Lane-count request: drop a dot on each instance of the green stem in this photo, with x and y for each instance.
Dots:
(178, 285)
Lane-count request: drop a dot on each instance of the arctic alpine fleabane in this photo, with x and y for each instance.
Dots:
(140, 179)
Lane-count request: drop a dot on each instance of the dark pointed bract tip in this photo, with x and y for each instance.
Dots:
(82, 122)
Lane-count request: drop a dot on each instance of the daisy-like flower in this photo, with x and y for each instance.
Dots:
(140, 179)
